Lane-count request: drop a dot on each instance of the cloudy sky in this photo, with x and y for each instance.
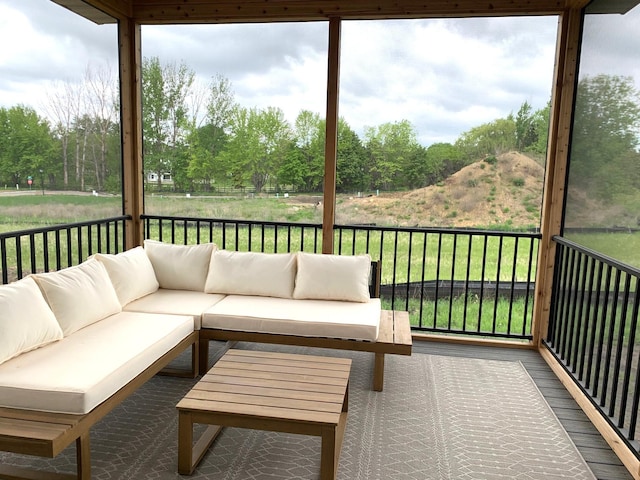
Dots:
(444, 76)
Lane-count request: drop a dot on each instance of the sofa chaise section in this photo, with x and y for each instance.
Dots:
(69, 355)
(83, 370)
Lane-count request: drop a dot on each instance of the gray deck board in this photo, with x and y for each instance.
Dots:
(594, 449)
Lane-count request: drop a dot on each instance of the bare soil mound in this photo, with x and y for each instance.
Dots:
(506, 190)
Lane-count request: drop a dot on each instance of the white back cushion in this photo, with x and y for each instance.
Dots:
(333, 277)
(26, 321)
(251, 273)
(131, 273)
(80, 295)
(180, 267)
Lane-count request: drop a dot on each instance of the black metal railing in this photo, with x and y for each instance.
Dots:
(593, 332)
(471, 282)
(55, 247)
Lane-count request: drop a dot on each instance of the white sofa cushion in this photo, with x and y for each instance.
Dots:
(180, 267)
(251, 273)
(80, 295)
(333, 277)
(176, 302)
(131, 273)
(26, 321)
(81, 371)
(307, 318)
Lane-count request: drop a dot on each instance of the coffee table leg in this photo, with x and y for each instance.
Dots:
(190, 455)
(185, 443)
(329, 454)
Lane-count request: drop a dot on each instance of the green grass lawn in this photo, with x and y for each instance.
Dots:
(621, 246)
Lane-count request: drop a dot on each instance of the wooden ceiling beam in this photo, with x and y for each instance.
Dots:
(226, 11)
(99, 11)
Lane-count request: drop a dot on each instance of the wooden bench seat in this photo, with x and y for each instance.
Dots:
(394, 337)
(45, 434)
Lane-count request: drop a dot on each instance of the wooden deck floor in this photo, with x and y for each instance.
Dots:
(603, 462)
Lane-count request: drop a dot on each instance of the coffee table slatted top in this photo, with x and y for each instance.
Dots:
(273, 385)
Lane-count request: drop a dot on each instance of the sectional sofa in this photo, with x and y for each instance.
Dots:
(76, 342)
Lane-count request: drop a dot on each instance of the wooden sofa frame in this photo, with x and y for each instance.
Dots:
(44, 434)
(394, 337)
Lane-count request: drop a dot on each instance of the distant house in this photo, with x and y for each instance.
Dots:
(166, 179)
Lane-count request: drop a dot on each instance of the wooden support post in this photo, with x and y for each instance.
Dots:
(567, 52)
(331, 139)
(131, 110)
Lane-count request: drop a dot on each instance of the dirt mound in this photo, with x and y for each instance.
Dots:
(506, 190)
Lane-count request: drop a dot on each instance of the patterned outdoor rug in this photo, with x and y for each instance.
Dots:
(438, 418)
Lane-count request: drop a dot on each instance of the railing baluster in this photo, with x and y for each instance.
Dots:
(567, 304)
(620, 345)
(58, 253)
(185, 235)
(513, 283)
(454, 259)
(3, 255)
(603, 331)
(589, 266)
(45, 251)
(90, 240)
(437, 297)
(263, 229)
(628, 367)
(482, 277)
(612, 328)
(79, 239)
(408, 289)
(32, 252)
(275, 239)
(67, 232)
(593, 324)
(19, 257)
(424, 267)
(395, 266)
(526, 324)
(573, 320)
(497, 296)
(466, 283)
(633, 417)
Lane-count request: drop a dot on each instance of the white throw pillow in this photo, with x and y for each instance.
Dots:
(26, 321)
(131, 273)
(251, 273)
(80, 295)
(180, 267)
(333, 277)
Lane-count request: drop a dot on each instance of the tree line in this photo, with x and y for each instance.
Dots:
(206, 141)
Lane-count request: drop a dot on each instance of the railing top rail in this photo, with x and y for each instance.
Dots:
(435, 230)
(228, 220)
(598, 256)
(65, 226)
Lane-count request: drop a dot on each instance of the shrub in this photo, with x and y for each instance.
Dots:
(491, 160)
(518, 182)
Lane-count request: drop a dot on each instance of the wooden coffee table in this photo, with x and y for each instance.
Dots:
(279, 392)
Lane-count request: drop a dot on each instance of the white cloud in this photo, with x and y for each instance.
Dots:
(444, 73)
(43, 43)
(445, 76)
(612, 46)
